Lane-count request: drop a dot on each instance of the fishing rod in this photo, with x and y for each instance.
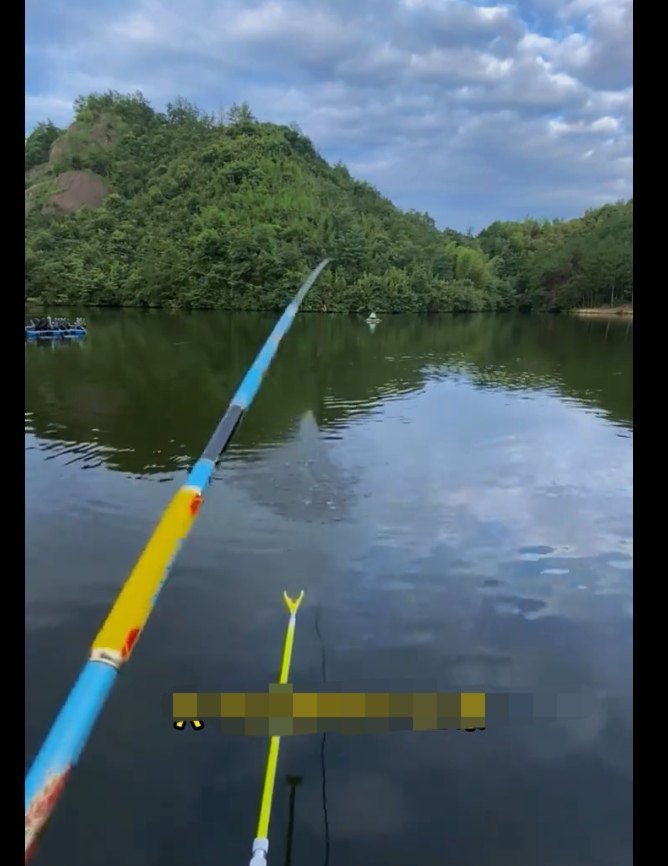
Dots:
(261, 841)
(118, 636)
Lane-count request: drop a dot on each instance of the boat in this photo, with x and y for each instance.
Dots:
(55, 329)
(372, 320)
(55, 333)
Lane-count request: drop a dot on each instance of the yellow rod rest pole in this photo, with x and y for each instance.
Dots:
(261, 841)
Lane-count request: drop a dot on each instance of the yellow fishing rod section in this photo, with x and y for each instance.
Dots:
(261, 842)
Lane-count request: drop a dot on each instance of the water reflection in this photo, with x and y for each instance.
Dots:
(143, 392)
(455, 497)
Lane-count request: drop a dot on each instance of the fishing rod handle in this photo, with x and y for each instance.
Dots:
(260, 851)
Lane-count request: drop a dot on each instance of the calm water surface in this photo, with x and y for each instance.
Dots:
(454, 495)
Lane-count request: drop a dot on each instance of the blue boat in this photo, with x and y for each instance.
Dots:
(55, 334)
(55, 329)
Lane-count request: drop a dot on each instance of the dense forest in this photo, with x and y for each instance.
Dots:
(131, 207)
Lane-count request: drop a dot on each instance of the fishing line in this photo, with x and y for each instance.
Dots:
(323, 742)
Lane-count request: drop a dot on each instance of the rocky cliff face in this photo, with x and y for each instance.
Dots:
(69, 180)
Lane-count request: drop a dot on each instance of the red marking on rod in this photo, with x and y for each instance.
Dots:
(195, 503)
(43, 805)
(130, 641)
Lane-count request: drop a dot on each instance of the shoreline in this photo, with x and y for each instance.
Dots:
(609, 312)
(604, 311)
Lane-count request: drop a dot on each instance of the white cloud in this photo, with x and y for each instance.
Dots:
(471, 112)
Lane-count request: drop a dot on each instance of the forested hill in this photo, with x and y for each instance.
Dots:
(586, 262)
(133, 207)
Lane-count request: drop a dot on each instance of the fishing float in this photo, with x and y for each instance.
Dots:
(116, 640)
(260, 850)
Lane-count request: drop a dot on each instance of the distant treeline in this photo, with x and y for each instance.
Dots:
(231, 213)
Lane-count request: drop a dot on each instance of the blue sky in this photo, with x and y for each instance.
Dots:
(471, 112)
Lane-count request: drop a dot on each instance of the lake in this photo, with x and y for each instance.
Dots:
(454, 495)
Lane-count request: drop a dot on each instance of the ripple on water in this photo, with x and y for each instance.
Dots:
(417, 638)
(517, 605)
(621, 564)
(534, 553)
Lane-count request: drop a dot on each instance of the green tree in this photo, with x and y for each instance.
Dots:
(38, 144)
(240, 114)
(204, 214)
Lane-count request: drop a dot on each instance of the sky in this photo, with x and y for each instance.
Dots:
(470, 112)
